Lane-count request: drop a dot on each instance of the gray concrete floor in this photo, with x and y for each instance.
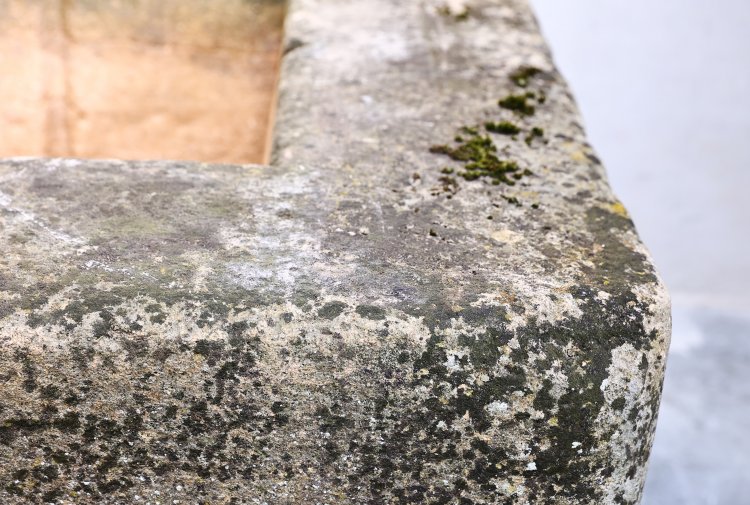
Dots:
(664, 88)
(701, 454)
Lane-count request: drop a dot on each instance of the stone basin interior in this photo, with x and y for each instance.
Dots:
(139, 79)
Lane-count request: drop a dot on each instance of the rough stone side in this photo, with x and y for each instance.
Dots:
(369, 320)
(545, 269)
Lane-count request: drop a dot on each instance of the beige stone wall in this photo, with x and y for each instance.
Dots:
(138, 79)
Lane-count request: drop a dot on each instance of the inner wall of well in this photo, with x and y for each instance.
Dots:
(139, 79)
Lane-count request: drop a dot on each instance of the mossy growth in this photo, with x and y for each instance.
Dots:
(536, 132)
(463, 15)
(522, 76)
(479, 155)
(512, 200)
(518, 104)
(502, 127)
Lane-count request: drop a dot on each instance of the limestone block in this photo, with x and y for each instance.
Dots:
(430, 295)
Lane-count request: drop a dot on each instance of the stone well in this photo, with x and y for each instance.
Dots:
(428, 294)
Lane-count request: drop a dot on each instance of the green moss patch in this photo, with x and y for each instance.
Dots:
(535, 133)
(502, 127)
(523, 75)
(479, 155)
(518, 104)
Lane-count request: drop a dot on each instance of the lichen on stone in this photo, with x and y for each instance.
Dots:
(502, 127)
(479, 155)
(355, 323)
(518, 104)
(523, 75)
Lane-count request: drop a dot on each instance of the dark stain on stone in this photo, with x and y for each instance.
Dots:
(617, 265)
(371, 312)
(332, 310)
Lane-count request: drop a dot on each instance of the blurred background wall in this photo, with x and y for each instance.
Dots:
(664, 88)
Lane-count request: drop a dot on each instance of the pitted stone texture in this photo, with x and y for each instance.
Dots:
(338, 327)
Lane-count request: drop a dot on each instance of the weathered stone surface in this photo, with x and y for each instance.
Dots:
(350, 324)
